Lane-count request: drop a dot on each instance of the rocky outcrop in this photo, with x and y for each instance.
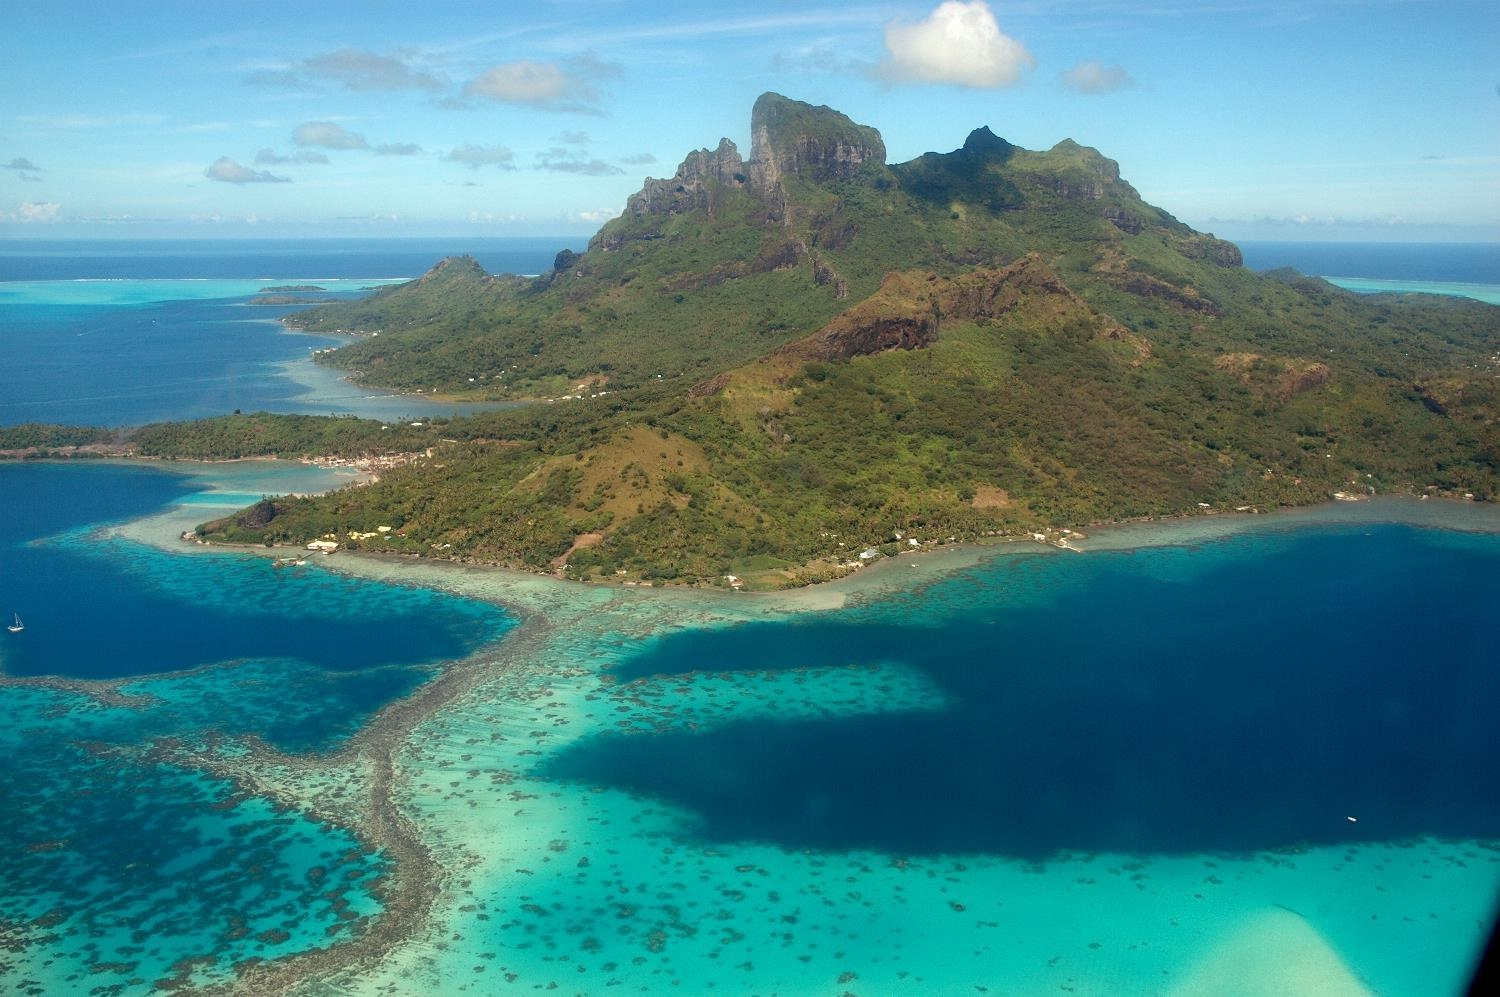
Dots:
(1282, 378)
(992, 292)
(1187, 298)
(694, 185)
(772, 257)
(788, 139)
(903, 315)
(1091, 175)
(909, 310)
(1201, 246)
(791, 139)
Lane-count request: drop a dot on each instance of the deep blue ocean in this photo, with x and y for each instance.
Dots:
(1442, 262)
(1229, 696)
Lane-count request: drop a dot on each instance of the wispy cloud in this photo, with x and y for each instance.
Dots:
(270, 157)
(823, 56)
(355, 69)
(204, 128)
(571, 86)
(327, 135)
(959, 43)
(1093, 77)
(475, 156)
(398, 149)
(90, 121)
(774, 24)
(639, 159)
(33, 212)
(565, 161)
(352, 69)
(28, 171)
(227, 170)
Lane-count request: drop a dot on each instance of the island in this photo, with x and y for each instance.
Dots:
(766, 367)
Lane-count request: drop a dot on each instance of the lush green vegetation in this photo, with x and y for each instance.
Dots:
(261, 434)
(38, 436)
(1067, 354)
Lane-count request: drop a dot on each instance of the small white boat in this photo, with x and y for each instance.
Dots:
(17, 626)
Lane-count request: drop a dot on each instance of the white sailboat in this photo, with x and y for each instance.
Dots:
(17, 626)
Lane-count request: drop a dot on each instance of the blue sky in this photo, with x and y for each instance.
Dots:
(1320, 119)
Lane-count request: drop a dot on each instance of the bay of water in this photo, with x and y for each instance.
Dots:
(121, 334)
(118, 869)
(116, 866)
(1205, 703)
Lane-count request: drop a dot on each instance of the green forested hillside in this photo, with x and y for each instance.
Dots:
(766, 366)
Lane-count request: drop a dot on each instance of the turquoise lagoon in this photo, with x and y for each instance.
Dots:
(1488, 293)
(125, 867)
(1116, 772)
(1214, 760)
(1214, 757)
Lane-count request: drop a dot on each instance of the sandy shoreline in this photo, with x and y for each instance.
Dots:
(371, 784)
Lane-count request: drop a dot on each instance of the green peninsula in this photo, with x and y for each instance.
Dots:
(768, 366)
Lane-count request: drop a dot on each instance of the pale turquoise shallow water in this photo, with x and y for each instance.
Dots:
(1488, 293)
(1122, 772)
(97, 292)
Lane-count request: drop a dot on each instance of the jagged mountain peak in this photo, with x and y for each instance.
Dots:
(984, 143)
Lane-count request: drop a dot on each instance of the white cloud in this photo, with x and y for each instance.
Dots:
(547, 85)
(328, 135)
(227, 170)
(475, 156)
(1095, 77)
(598, 217)
(398, 149)
(30, 212)
(522, 82)
(960, 43)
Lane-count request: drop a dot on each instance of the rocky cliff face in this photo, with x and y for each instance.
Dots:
(908, 311)
(1091, 175)
(791, 139)
(788, 139)
(692, 187)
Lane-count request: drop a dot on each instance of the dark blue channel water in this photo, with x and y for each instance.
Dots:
(1246, 694)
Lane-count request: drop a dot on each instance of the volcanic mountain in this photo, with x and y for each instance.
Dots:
(767, 366)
